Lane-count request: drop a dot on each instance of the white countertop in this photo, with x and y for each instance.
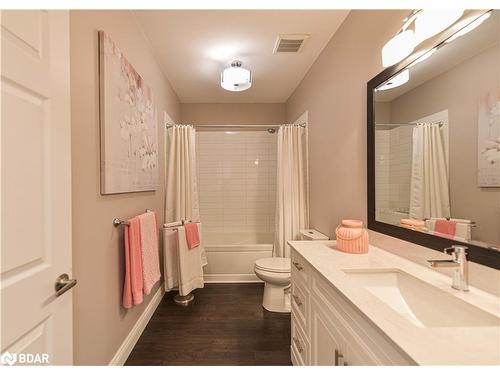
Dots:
(475, 345)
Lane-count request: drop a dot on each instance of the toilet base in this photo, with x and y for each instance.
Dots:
(276, 298)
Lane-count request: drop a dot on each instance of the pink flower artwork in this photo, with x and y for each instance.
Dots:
(489, 140)
(129, 131)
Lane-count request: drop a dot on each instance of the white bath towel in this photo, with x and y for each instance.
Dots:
(183, 267)
(150, 251)
(170, 258)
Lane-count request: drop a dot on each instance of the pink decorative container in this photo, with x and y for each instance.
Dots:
(352, 237)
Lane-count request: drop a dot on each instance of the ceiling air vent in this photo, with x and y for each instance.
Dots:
(290, 42)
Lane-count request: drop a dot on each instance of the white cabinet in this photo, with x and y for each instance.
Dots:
(325, 339)
(328, 330)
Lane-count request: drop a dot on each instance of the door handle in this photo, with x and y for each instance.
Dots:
(297, 300)
(298, 345)
(338, 357)
(298, 266)
(63, 284)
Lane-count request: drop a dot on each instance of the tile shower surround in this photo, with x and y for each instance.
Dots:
(393, 168)
(236, 180)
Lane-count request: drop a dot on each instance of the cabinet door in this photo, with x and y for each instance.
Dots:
(326, 341)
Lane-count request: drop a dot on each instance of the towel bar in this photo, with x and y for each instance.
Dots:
(117, 222)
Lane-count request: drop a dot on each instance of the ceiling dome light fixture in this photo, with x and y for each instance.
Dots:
(236, 78)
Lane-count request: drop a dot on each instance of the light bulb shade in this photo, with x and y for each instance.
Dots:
(398, 48)
(236, 78)
(398, 80)
(471, 26)
(430, 22)
(422, 56)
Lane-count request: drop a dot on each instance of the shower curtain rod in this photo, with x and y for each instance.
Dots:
(261, 127)
(440, 123)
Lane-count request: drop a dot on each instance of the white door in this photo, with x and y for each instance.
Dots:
(36, 325)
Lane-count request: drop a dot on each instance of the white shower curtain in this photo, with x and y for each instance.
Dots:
(181, 203)
(181, 192)
(429, 192)
(292, 188)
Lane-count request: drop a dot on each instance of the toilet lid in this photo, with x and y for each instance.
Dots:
(273, 264)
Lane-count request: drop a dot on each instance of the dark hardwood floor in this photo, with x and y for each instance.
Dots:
(226, 325)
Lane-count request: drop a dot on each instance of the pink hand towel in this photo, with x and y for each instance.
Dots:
(133, 284)
(150, 253)
(447, 227)
(192, 235)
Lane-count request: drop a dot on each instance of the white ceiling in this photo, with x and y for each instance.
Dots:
(193, 47)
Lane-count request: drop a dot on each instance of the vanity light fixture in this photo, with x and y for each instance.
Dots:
(398, 48)
(419, 25)
(430, 22)
(424, 55)
(471, 26)
(398, 80)
(236, 78)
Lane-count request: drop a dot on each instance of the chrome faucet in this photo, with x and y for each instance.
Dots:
(460, 265)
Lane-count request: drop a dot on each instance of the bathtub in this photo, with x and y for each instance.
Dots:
(231, 256)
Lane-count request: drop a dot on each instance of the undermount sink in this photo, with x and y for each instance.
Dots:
(421, 303)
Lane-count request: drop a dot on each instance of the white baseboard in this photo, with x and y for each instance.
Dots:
(231, 278)
(128, 344)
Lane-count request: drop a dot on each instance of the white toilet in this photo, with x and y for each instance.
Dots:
(275, 272)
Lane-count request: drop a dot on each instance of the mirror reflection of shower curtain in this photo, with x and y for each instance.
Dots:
(181, 191)
(429, 191)
(291, 188)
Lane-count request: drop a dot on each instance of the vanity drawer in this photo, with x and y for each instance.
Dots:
(300, 269)
(300, 305)
(300, 344)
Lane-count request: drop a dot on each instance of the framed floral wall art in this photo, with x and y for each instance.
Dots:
(128, 124)
(488, 158)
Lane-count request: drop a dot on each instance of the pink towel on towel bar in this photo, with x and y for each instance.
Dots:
(192, 235)
(133, 284)
(150, 253)
(447, 227)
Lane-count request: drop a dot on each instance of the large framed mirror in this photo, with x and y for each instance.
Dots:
(434, 141)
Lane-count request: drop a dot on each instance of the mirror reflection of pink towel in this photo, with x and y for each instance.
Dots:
(192, 235)
(448, 227)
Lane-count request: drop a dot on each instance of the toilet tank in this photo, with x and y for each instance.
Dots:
(312, 235)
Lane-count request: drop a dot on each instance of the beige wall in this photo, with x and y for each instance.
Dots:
(334, 93)
(100, 324)
(458, 91)
(233, 113)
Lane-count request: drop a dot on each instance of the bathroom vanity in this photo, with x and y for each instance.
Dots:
(381, 309)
